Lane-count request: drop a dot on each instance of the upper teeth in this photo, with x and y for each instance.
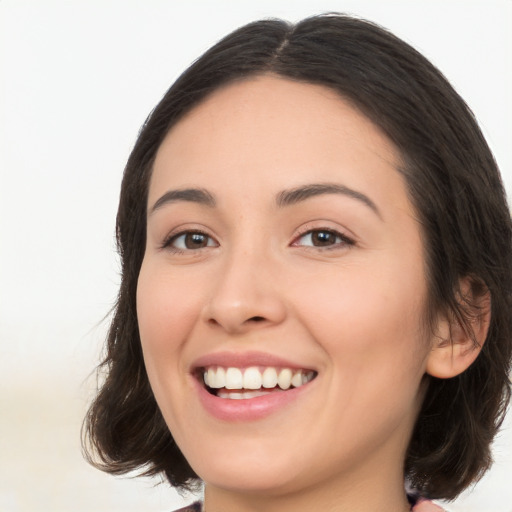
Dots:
(255, 378)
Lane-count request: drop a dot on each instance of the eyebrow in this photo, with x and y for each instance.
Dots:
(283, 199)
(296, 195)
(193, 195)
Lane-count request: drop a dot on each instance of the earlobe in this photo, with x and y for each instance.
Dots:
(456, 346)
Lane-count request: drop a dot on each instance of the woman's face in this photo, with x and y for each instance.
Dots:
(281, 245)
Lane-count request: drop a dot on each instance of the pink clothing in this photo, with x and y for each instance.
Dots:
(426, 506)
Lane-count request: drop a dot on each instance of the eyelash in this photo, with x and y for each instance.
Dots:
(344, 241)
(167, 244)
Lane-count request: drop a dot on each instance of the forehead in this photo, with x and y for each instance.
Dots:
(279, 133)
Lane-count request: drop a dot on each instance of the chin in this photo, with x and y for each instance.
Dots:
(250, 474)
(264, 482)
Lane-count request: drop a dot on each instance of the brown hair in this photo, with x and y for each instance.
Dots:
(453, 182)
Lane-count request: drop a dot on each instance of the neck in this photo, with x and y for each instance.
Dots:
(373, 482)
(351, 494)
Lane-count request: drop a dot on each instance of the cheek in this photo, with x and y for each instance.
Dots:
(367, 321)
(166, 314)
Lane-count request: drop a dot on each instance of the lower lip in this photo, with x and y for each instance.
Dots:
(248, 409)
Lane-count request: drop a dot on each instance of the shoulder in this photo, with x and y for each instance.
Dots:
(426, 506)
(194, 507)
(420, 506)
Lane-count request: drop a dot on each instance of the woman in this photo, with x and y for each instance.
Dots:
(316, 280)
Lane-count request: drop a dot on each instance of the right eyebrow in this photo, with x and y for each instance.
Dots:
(296, 195)
(193, 195)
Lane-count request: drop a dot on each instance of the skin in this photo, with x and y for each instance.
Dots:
(352, 311)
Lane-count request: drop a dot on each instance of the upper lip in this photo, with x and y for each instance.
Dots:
(246, 360)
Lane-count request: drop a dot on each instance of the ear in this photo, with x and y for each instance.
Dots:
(455, 347)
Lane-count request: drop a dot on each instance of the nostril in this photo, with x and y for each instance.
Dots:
(253, 319)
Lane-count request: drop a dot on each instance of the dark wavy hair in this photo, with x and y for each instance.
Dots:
(453, 183)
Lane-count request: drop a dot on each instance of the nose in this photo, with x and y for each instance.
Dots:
(245, 295)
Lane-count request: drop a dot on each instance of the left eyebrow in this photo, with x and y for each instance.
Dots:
(296, 195)
(193, 195)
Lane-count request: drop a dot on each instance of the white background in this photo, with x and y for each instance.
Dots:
(77, 79)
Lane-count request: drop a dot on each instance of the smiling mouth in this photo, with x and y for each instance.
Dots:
(252, 382)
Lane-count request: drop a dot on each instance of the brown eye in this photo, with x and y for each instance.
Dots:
(191, 240)
(323, 238)
(195, 240)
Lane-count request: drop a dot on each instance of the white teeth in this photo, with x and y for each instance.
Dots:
(241, 395)
(216, 378)
(285, 378)
(211, 377)
(233, 395)
(297, 379)
(269, 378)
(253, 378)
(234, 379)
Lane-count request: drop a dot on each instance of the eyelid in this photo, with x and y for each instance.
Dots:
(347, 240)
(179, 232)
